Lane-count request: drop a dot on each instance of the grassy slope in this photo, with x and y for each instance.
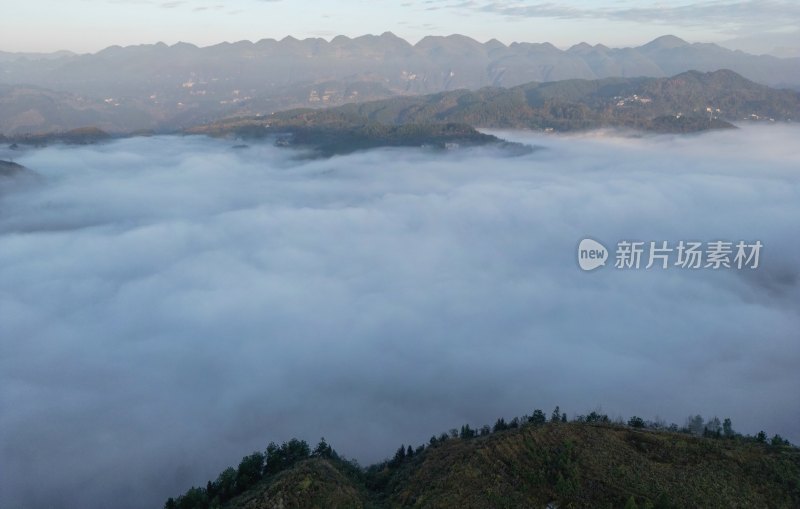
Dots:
(575, 465)
(311, 483)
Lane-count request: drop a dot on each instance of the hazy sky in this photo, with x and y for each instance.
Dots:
(90, 25)
(168, 305)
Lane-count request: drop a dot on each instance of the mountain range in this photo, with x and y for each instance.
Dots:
(688, 102)
(160, 87)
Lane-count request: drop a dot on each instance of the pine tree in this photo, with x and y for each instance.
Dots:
(631, 503)
(399, 456)
(323, 450)
(538, 417)
(727, 428)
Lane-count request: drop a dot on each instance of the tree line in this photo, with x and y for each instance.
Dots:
(277, 458)
(252, 469)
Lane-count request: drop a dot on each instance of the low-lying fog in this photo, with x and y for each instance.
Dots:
(168, 305)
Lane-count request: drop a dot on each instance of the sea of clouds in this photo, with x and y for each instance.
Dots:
(168, 304)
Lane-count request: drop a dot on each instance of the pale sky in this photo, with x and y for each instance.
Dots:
(91, 25)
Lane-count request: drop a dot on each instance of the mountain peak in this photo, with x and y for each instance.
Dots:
(721, 78)
(666, 42)
(453, 42)
(581, 47)
(184, 45)
(494, 42)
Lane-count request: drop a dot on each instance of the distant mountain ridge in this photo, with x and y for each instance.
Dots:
(165, 87)
(688, 102)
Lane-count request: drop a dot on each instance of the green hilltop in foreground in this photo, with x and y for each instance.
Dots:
(524, 463)
(10, 168)
(338, 137)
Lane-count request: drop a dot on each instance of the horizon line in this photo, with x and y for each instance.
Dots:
(331, 39)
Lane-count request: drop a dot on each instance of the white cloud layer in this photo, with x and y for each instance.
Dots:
(168, 305)
(737, 12)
